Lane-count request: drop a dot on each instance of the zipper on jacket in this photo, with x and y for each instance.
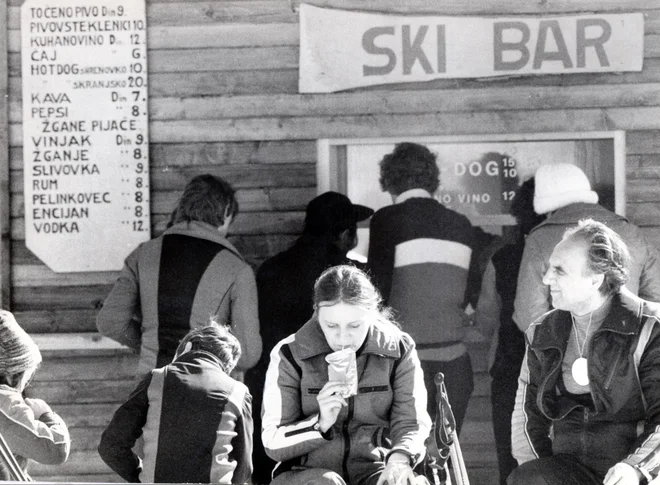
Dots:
(346, 436)
(610, 376)
(584, 431)
(544, 384)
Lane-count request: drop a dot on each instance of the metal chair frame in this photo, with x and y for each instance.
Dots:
(446, 462)
(8, 459)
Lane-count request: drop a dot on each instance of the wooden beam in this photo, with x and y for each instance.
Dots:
(222, 153)
(249, 200)
(285, 81)
(54, 321)
(488, 122)
(485, 98)
(175, 177)
(487, 7)
(249, 223)
(5, 240)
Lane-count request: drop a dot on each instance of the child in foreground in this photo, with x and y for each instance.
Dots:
(196, 420)
(29, 426)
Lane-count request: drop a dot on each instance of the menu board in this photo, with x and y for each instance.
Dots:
(85, 131)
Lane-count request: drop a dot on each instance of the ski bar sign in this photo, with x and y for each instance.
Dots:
(341, 49)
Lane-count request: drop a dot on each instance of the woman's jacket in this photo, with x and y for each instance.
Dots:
(387, 414)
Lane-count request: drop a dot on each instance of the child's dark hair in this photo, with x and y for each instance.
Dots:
(214, 339)
(206, 198)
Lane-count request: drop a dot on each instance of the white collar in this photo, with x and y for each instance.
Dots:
(412, 193)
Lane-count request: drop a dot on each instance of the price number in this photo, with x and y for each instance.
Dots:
(140, 186)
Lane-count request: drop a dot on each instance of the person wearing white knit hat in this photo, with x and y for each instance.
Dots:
(560, 184)
(564, 192)
(29, 426)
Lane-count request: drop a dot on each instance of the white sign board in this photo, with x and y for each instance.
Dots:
(341, 49)
(85, 131)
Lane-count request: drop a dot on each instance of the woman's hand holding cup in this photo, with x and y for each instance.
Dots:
(330, 403)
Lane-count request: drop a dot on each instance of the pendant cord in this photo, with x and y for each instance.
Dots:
(586, 335)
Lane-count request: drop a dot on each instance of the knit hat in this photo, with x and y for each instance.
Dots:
(561, 184)
(18, 352)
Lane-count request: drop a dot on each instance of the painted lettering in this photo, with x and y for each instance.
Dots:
(369, 46)
(411, 51)
(500, 46)
(596, 42)
(541, 54)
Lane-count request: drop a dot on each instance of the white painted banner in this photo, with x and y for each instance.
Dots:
(85, 131)
(341, 49)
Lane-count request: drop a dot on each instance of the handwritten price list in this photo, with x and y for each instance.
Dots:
(85, 132)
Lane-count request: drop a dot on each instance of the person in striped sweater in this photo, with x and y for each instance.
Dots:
(420, 255)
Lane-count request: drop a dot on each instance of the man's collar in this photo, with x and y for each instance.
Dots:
(624, 317)
(572, 213)
(202, 230)
(411, 194)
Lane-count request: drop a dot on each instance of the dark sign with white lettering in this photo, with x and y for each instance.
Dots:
(85, 131)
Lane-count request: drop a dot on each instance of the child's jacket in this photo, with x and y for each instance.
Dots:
(44, 439)
(197, 425)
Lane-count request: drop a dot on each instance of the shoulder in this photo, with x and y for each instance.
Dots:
(454, 216)
(541, 323)
(14, 407)
(388, 339)
(240, 393)
(651, 309)
(406, 342)
(385, 213)
(143, 248)
(273, 266)
(636, 305)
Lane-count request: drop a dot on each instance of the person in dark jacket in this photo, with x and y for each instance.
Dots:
(588, 404)
(285, 285)
(564, 193)
(365, 424)
(183, 279)
(495, 311)
(195, 419)
(420, 255)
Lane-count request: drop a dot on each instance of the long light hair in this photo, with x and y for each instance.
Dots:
(347, 284)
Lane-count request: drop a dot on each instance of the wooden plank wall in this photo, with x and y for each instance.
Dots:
(223, 99)
(5, 242)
